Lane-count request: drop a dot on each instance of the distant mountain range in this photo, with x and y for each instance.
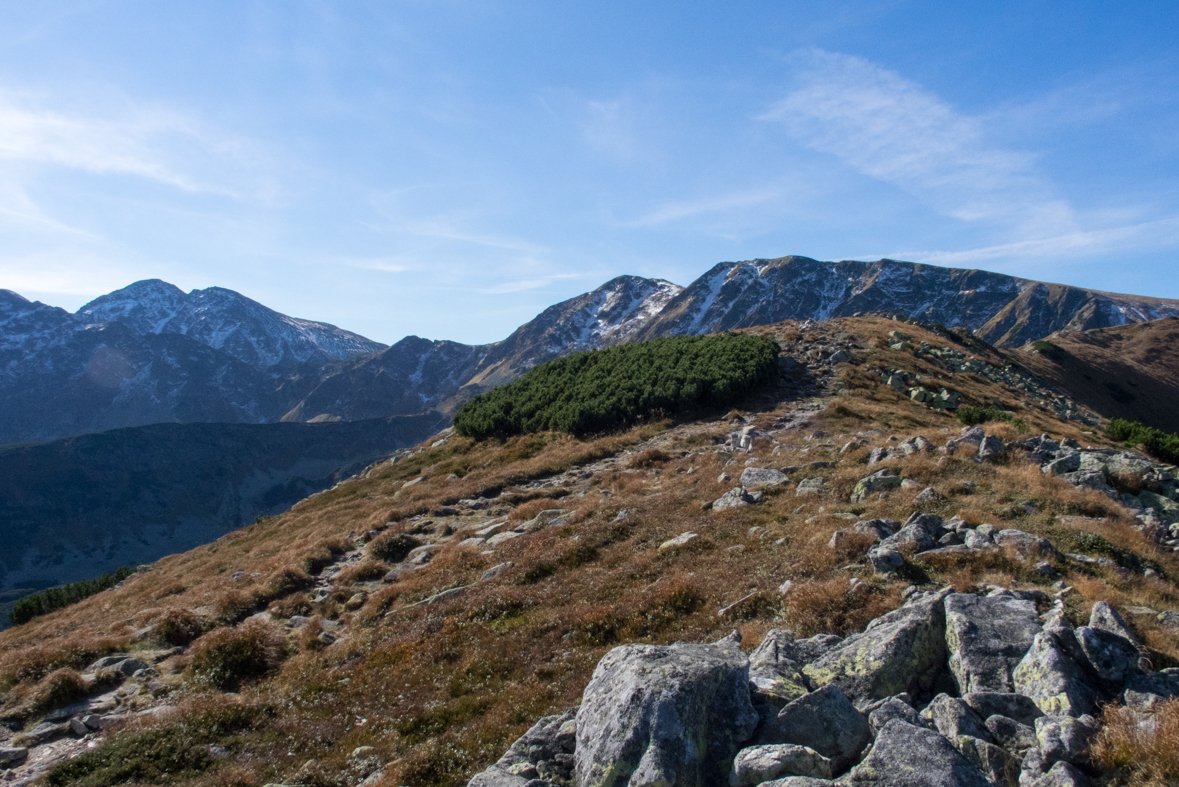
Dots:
(150, 353)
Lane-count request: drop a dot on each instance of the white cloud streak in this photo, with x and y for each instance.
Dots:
(892, 129)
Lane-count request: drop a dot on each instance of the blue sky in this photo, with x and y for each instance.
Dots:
(448, 169)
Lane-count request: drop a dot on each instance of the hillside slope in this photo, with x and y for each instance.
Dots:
(74, 508)
(1130, 371)
(435, 608)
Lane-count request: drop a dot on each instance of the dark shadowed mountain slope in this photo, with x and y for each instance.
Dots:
(1131, 371)
(74, 508)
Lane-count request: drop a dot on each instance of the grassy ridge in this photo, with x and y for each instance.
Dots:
(604, 390)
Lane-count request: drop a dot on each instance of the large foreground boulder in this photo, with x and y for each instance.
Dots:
(775, 667)
(899, 652)
(655, 715)
(987, 638)
(909, 756)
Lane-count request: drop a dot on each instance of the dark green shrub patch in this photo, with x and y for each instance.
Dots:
(973, 415)
(603, 390)
(1159, 444)
(48, 600)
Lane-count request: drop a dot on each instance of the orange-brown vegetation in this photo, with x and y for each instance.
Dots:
(441, 689)
(1141, 747)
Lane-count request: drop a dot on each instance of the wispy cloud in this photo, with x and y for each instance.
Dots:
(1163, 232)
(687, 209)
(521, 285)
(894, 130)
(147, 142)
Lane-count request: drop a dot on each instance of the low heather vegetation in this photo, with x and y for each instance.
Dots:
(604, 390)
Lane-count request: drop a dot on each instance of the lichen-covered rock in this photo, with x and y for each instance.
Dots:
(880, 481)
(997, 764)
(900, 651)
(759, 764)
(1105, 618)
(1061, 775)
(1011, 734)
(1064, 738)
(991, 449)
(824, 720)
(885, 560)
(953, 718)
(655, 715)
(1014, 706)
(758, 477)
(544, 752)
(775, 676)
(1052, 678)
(892, 708)
(905, 755)
(797, 781)
(987, 637)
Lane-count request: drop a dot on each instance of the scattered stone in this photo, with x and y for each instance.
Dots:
(927, 495)
(991, 449)
(681, 540)
(495, 571)
(12, 755)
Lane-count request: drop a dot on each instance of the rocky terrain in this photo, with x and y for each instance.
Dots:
(915, 603)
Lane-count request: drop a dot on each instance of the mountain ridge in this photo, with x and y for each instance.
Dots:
(150, 353)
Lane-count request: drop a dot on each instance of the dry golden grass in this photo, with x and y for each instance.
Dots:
(442, 690)
(1141, 748)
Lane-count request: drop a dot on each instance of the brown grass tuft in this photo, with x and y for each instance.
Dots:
(227, 657)
(1141, 747)
(177, 626)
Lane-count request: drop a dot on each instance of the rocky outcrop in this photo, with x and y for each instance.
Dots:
(664, 715)
(860, 711)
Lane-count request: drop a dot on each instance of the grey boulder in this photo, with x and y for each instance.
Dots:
(908, 756)
(824, 720)
(987, 638)
(900, 651)
(892, 708)
(656, 715)
(735, 498)
(1064, 738)
(1061, 775)
(880, 481)
(757, 477)
(775, 676)
(759, 764)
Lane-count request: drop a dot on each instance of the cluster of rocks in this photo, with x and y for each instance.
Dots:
(954, 361)
(30, 747)
(949, 689)
(1148, 487)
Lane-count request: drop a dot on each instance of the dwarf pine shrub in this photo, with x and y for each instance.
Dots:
(604, 390)
(227, 657)
(1159, 444)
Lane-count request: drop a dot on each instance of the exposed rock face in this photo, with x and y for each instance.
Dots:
(544, 752)
(901, 651)
(987, 638)
(759, 764)
(664, 715)
(1052, 677)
